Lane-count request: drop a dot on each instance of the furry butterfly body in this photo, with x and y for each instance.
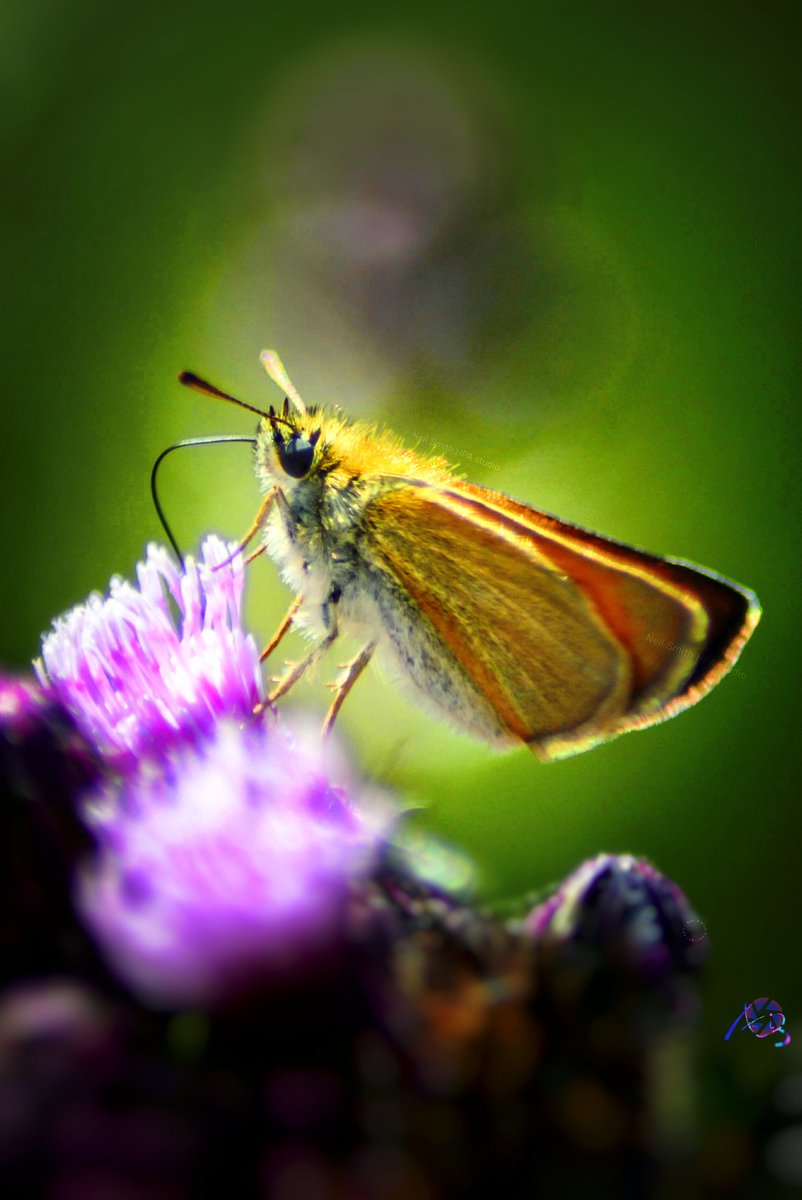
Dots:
(514, 625)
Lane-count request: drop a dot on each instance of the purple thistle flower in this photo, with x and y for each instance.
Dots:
(224, 852)
(139, 679)
(233, 865)
(626, 910)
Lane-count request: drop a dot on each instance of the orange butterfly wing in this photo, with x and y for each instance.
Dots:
(570, 637)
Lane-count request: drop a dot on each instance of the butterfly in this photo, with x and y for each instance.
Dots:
(514, 625)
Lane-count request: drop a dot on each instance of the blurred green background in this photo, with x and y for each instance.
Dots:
(565, 244)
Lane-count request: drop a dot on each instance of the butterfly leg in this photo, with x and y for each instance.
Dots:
(256, 525)
(342, 687)
(296, 670)
(294, 673)
(282, 629)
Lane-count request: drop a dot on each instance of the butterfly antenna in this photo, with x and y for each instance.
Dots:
(191, 380)
(275, 369)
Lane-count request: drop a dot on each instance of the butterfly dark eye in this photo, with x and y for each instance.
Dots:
(296, 456)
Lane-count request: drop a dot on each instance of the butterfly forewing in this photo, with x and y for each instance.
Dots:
(523, 632)
(571, 638)
(720, 614)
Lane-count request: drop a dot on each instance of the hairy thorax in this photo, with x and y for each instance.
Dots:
(314, 536)
(317, 537)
